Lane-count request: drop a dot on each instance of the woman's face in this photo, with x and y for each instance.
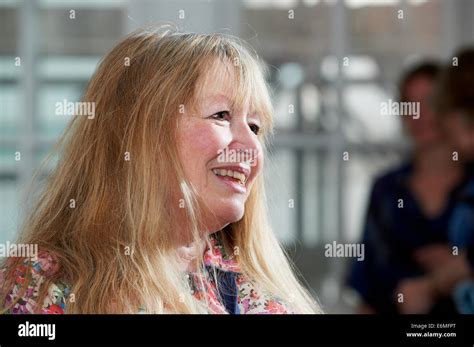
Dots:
(460, 133)
(219, 150)
(424, 130)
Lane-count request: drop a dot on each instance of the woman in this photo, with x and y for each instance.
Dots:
(455, 104)
(409, 212)
(162, 221)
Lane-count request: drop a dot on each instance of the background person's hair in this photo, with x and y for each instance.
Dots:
(429, 69)
(122, 203)
(456, 89)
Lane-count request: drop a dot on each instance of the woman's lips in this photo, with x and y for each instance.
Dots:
(231, 183)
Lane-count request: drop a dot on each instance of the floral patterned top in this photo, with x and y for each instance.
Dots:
(226, 288)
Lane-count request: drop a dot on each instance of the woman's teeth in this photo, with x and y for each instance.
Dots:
(234, 174)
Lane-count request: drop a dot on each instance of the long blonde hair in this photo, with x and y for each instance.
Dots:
(126, 205)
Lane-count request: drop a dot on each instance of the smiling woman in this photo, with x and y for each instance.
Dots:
(160, 223)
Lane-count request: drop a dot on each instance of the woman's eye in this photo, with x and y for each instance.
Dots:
(254, 128)
(222, 115)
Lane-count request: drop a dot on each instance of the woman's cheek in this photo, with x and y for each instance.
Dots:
(210, 137)
(256, 168)
(260, 160)
(199, 138)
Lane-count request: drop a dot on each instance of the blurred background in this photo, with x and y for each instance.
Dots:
(323, 108)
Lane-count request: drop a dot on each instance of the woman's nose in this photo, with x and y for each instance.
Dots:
(242, 134)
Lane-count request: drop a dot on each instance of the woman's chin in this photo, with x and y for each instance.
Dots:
(228, 214)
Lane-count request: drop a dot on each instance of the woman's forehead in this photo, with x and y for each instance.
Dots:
(217, 84)
(219, 79)
(218, 98)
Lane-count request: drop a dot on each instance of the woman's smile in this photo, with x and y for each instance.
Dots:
(234, 177)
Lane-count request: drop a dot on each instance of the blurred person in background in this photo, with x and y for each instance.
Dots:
(409, 211)
(455, 104)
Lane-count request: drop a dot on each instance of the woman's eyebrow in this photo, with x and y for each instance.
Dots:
(224, 99)
(217, 98)
(255, 118)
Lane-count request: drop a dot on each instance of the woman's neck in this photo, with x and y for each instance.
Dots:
(434, 176)
(189, 253)
(435, 160)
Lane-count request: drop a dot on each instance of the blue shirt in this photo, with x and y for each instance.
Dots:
(461, 233)
(395, 228)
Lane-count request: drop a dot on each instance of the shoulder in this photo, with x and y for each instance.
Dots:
(252, 300)
(28, 283)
